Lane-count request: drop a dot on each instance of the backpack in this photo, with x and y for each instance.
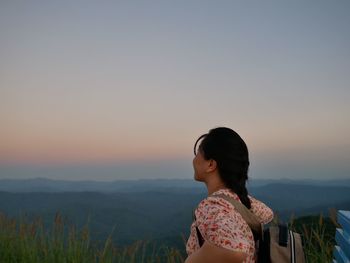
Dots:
(275, 244)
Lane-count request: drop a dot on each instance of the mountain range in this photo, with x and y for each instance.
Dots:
(154, 209)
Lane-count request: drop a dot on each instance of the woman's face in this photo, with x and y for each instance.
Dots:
(199, 166)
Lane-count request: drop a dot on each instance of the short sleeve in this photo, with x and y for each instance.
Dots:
(262, 211)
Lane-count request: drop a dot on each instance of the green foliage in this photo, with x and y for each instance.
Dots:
(318, 235)
(29, 242)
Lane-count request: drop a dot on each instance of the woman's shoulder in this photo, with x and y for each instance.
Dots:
(212, 204)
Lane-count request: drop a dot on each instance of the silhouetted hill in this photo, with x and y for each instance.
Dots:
(48, 185)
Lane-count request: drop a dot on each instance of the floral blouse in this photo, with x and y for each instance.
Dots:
(221, 224)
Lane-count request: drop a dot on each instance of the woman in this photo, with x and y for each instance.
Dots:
(221, 161)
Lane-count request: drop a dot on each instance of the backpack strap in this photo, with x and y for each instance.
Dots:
(283, 235)
(248, 216)
(199, 234)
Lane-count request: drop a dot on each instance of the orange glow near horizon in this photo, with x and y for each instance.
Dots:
(74, 150)
(88, 149)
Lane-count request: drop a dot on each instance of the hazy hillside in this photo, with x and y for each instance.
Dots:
(300, 200)
(151, 215)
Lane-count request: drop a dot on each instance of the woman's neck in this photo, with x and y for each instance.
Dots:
(215, 186)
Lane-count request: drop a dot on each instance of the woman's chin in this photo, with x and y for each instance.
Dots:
(197, 178)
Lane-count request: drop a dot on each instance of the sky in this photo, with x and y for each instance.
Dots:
(107, 90)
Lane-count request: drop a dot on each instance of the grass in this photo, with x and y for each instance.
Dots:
(28, 241)
(318, 233)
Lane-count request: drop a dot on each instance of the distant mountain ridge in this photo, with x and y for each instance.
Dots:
(49, 185)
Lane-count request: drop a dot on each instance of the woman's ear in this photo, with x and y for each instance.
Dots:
(211, 165)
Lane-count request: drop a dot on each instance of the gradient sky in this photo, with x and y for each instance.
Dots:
(121, 89)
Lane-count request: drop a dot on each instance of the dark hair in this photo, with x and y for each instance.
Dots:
(230, 152)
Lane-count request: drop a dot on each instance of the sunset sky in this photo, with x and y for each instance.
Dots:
(108, 90)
